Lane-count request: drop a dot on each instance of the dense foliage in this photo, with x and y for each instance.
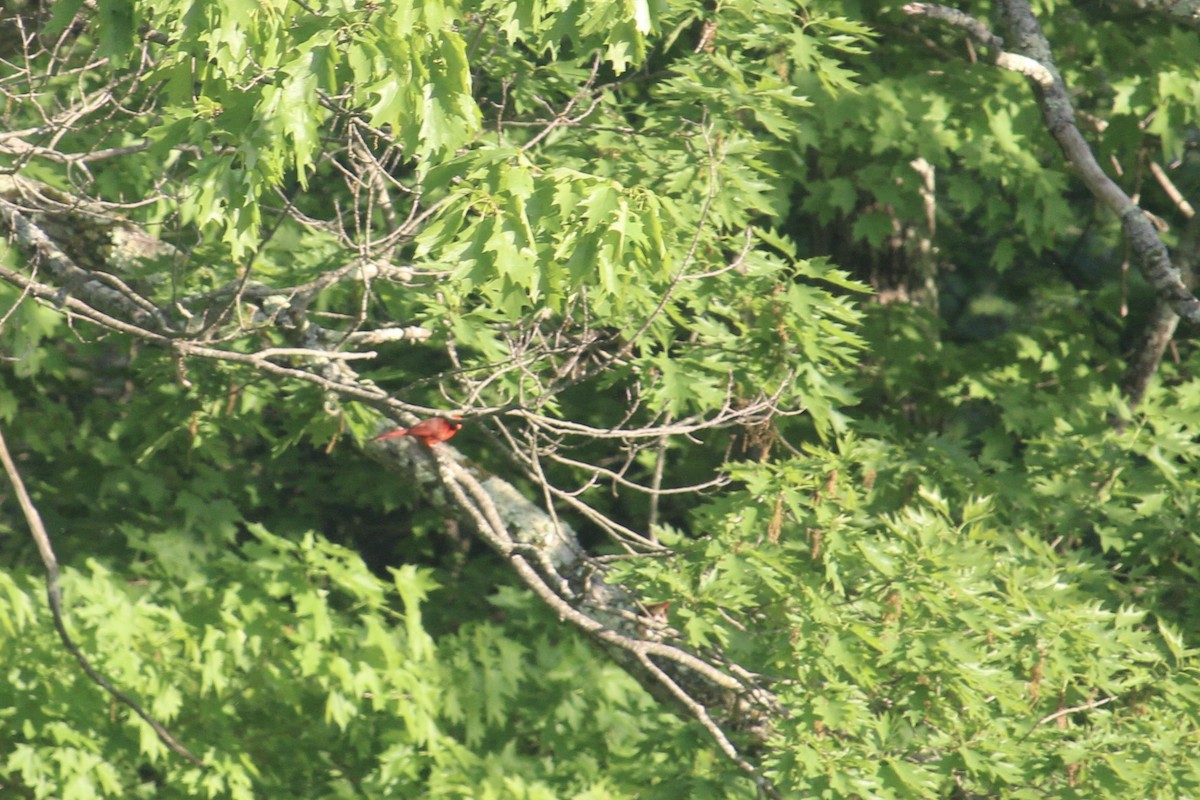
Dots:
(793, 314)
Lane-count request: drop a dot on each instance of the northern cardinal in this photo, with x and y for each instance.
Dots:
(428, 431)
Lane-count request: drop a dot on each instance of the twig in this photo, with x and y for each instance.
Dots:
(1171, 189)
(564, 117)
(709, 724)
(1062, 712)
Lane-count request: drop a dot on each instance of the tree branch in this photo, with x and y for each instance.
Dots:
(1031, 56)
(54, 596)
(542, 548)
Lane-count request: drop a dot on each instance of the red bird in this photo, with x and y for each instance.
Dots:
(428, 431)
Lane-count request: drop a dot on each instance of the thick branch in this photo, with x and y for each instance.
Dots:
(1160, 327)
(1030, 55)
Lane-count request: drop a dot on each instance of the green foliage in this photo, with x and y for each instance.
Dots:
(966, 566)
(277, 649)
(939, 628)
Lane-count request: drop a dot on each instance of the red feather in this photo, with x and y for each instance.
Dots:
(428, 431)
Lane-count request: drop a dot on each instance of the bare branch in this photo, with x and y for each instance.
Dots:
(564, 117)
(1062, 712)
(1171, 190)
(701, 713)
(54, 596)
